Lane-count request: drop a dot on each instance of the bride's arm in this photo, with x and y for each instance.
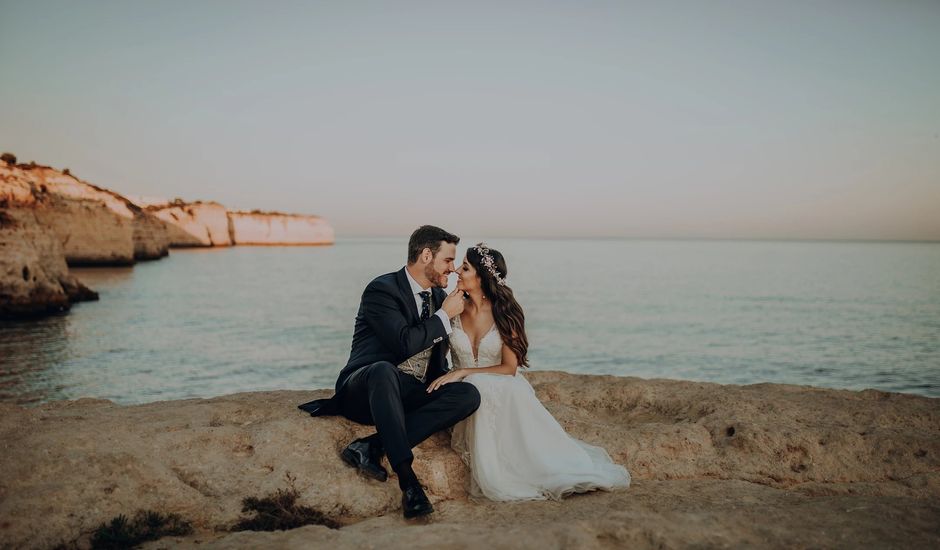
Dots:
(508, 365)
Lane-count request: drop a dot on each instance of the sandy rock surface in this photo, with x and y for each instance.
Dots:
(651, 514)
(272, 228)
(713, 466)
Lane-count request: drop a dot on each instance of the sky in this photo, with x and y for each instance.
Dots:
(753, 119)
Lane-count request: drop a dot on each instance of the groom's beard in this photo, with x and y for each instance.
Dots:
(435, 277)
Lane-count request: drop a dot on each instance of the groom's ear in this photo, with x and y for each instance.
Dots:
(426, 255)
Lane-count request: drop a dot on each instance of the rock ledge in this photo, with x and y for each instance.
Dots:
(760, 465)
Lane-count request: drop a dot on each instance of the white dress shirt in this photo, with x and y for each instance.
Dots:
(416, 288)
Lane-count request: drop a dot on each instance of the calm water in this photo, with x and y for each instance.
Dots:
(208, 322)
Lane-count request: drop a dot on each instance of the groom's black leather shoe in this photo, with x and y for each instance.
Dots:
(366, 457)
(414, 502)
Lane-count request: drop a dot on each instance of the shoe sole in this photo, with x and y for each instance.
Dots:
(351, 461)
(418, 514)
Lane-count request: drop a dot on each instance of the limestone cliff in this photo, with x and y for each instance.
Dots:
(96, 226)
(274, 228)
(48, 213)
(34, 277)
(195, 223)
(714, 466)
(203, 223)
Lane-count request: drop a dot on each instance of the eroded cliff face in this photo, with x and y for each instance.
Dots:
(764, 465)
(48, 213)
(211, 224)
(97, 226)
(194, 224)
(274, 228)
(34, 277)
(151, 237)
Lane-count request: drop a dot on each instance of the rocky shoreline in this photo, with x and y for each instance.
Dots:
(763, 465)
(50, 219)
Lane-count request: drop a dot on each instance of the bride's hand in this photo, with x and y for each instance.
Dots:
(452, 376)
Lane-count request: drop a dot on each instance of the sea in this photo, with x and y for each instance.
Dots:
(208, 322)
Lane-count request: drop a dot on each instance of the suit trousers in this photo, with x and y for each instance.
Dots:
(399, 406)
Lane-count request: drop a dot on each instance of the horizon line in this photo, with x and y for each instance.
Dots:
(628, 238)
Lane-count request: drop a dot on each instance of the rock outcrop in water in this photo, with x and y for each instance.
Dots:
(94, 225)
(211, 224)
(731, 466)
(50, 218)
(34, 276)
(275, 228)
(195, 223)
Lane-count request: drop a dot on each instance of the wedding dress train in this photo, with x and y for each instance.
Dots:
(514, 447)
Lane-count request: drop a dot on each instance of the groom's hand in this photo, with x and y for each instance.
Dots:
(453, 304)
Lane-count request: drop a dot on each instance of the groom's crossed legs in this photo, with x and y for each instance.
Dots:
(403, 412)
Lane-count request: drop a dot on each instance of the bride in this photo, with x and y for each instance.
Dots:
(513, 446)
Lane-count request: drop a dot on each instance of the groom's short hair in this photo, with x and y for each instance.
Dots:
(428, 236)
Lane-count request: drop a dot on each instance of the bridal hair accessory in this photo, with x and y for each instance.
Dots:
(489, 263)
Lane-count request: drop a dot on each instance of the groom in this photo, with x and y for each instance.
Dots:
(398, 348)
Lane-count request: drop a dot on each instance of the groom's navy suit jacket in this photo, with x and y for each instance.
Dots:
(388, 328)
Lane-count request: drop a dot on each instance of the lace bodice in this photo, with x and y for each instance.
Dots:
(461, 348)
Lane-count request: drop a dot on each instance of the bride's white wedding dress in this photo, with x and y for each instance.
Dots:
(514, 447)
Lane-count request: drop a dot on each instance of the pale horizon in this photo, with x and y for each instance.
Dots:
(731, 120)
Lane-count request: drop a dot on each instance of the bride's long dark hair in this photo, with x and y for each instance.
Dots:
(510, 320)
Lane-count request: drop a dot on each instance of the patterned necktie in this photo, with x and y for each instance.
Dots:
(425, 304)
